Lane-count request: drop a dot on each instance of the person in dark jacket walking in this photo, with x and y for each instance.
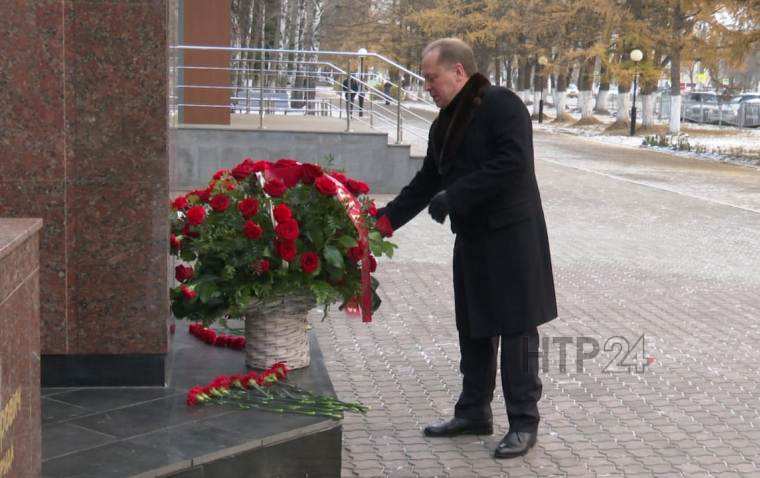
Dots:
(479, 172)
(349, 90)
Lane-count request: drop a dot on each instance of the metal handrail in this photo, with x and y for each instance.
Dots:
(327, 74)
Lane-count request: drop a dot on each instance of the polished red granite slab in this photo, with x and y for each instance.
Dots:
(85, 149)
(20, 436)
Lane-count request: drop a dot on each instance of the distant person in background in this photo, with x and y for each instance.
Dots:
(387, 91)
(349, 90)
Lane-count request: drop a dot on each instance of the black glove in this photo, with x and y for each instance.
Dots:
(439, 207)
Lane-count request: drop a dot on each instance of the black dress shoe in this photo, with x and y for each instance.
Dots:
(459, 426)
(515, 444)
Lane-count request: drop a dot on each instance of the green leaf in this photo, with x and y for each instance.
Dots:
(333, 257)
(389, 248)
(347, 242)
(376, 248)
(375, 236)
(187, 255)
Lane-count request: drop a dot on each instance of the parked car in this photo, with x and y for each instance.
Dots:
(734, 111)
(700, 107)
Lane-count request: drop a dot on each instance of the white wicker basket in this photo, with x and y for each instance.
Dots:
(276, 331)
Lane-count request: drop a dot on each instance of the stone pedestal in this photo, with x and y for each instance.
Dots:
(206, 75)
(84, 135)
(19, 347)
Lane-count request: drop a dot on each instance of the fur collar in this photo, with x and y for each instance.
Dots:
(472, 95)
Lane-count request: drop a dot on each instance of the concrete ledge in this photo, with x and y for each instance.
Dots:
(201, 151)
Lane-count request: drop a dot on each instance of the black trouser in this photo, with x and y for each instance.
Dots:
(519, 378)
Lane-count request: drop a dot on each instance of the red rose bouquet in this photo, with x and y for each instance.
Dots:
(267, 229)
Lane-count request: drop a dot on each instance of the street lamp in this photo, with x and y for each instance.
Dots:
(542, 61)
(361, 52)
(636, 56)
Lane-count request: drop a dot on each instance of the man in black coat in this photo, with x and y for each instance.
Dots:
(479, 171)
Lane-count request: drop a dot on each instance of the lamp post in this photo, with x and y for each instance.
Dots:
(542, 61)
(636, 56)
(361, 52)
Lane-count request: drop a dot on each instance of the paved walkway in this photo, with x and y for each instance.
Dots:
(639, 249)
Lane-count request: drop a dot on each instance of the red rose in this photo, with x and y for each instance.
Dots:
(220, 202)
(372, 209)
(309, 262)
(261, 266)
(339, 176)
(286, 250)
(248, 207)
(174, 242)
(310, 172)
(243, 170)
(384, 226)
(326, 186)
(355, 253)
(275, 187)
(205, 194)
(285, 162)
(230, 186)
(287, 230)
(179, 203)
(357, 187)
(187, 232)
(220, 173)
(282, 213)
(187, 292)
(260, 166)
(196, 215)
(372, 263)
(251, 230)
(183, 273)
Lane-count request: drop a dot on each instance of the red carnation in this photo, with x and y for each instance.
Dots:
(192, 395)
(187, 292)
(183, 273)
(174, 242)
(357, 187)
(310, 172)
(275, 187)
(251, 230)
(179, 203)
(196, 215)
(282, 213)
(286, 250)
(238, 343)
(261, 266)
(326, 186)
(339, 176)
(248, 207)
(384, 226)
(220, 173)
(355, 253)
(221, 341)
(208, 336)
(309, 262)
(220, 202)
(287, 230)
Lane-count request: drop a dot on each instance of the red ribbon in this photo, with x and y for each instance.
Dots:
(353, 208)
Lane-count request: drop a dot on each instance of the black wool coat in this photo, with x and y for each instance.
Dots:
(503, 281)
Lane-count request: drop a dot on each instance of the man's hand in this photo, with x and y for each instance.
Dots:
(439, 207)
